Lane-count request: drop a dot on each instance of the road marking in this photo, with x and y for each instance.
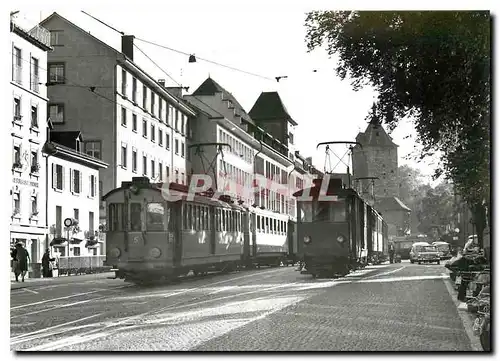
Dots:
(20, 338)
(475, 344)
(55, 307)
(386, 273)
(63, 298)
(400, 279)
(28, 290)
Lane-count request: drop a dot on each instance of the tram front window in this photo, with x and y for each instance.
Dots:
(135, 217)
(322, 211)
(155, 217)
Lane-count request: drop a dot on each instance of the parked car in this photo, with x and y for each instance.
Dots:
(423, 252)
(444, 249)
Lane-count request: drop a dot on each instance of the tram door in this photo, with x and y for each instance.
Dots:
(213, 227)
(246, 235)
(176, 230)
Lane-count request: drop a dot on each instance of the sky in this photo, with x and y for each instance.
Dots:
(266, 41)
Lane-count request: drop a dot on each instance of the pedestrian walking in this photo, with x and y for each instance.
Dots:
(392, 250)
(47, 264)
(22, 257)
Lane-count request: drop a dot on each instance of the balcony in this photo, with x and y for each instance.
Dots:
(41, 34)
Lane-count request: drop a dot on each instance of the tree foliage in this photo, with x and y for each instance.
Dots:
(436, 209)
(433, 66)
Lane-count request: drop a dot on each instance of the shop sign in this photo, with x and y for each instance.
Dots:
(25, 182)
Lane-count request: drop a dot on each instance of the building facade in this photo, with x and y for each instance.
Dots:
(73, 193)
(377, 157)
(127, 118)
(28, 131)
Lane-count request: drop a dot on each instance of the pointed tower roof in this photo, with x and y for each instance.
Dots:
(375, 134)
(270, 106)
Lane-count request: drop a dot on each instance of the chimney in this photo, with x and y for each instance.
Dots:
(128, 46)
(175, 90)
(161, 82)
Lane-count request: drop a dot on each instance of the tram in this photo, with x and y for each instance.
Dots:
(152, 235)
(339, 232)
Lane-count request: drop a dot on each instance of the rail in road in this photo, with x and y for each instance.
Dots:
(105, 314)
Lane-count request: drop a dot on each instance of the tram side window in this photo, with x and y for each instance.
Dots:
(305, 211)
(207, 218)
(267, 225)
(135, 217)
(258, 223)
(224, 228)
(116, 213)
(155, 217)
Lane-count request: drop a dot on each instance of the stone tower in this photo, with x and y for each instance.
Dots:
(378, 157)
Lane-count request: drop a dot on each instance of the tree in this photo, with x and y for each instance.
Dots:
(437, 209)
(432, 66)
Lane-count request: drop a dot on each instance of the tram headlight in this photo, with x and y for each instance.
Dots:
(115, 253)
(155, 252)
(307, 239)
(341, 239)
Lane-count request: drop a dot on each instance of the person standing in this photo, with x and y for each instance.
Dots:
(22, 258)
(391, 252)
(46, 264)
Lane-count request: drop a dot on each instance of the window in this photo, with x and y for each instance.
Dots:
(176, 176)
(160, 137)
(76, 214)
(124, 116)
(124, 82)
(58, 229)
(182, 178)
(76, 251)
(35, 79)
(57, 176)
(76, 181)
(167, 171)
(34, 116)
(100, 191)
(153, 133)
(155, 217)
(56, 73)
(56, 37)
(177, 146)
(182, 149)
(34, 206)
(152, 103)
(183, 120)
(134, 122)
(134, 160)
(160, 171)
(124, 155)
(160, 108)
(91, 223)
(153, 175)
(176, 120)
(92, 185)
(290, 138)
(56, 113)
(18, 66)
(144, 96)
(17, 156)
(93, 148)
(167, 140)
(144, 128)
(35, 167)
(170, 112)
(144, 165)
(17, 109)
(17, 202)
(135, 217)
(134, 90)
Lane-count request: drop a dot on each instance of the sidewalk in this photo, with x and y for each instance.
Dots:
(61, 279)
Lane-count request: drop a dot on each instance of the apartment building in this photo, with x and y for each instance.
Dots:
(73, 193)
(28, 134)
(128, 119)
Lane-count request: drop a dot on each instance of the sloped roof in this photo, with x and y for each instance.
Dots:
(66, 138)
(385, 204)
(375, 135)
(270, 106)
(211, 87)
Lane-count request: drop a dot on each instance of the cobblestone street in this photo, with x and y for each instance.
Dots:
(381, 308)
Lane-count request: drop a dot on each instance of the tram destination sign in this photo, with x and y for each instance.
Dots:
(25, 182)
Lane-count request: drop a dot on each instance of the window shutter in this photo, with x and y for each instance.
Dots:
(71, 180)
(80, 178)
(63, 177)
(95, 186)
(13, 61)
(54, 176)
(89, 193)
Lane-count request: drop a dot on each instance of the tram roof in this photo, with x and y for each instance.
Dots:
(334, 189)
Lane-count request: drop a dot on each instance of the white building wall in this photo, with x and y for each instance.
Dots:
(84, 202)
(27, 184)
(160, 148)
